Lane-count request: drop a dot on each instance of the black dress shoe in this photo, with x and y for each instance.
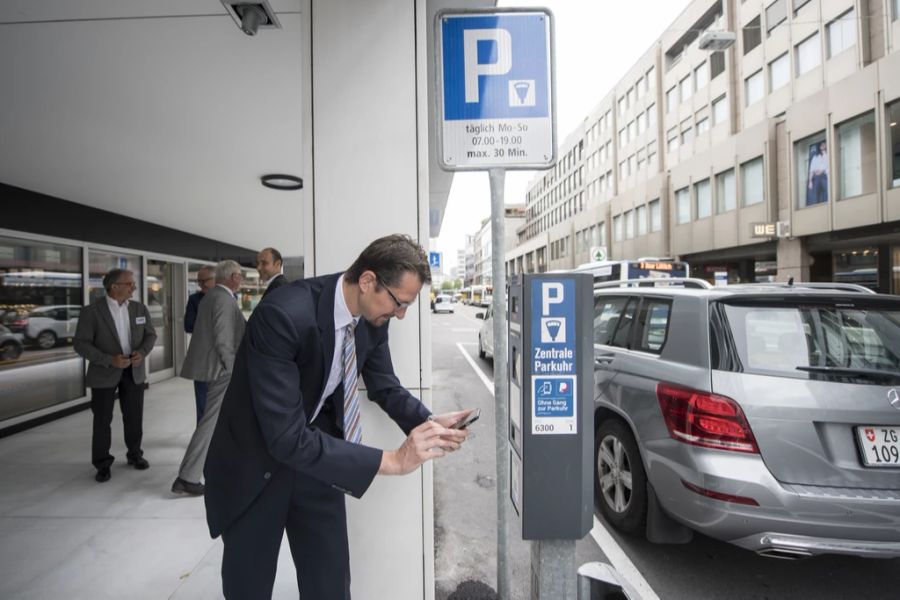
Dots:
(180, 486)
(102, 475)
(140, 463)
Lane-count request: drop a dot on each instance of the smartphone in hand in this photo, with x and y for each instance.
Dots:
(467, 420)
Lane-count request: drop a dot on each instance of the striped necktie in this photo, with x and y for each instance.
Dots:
(352, 427)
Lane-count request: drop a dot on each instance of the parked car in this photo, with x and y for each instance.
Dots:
(45, 326)
(486, 333)
(767, 416)
(11, 346)
(443, 303)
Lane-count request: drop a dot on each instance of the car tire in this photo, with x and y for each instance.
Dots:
(46, 340)
(481, 353)
(10, 351)
(620, 482)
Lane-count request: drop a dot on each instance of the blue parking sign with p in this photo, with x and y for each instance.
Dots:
(434, 260)
(495, 88)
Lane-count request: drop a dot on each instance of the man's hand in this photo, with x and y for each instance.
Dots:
(448, 419)
(136, 358)
(428, 440)
(120, 361)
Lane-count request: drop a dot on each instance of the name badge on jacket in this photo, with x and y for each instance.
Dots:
(140, 320)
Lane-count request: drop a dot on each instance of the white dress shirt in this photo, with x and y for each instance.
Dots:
(342, 318)
(119, 314)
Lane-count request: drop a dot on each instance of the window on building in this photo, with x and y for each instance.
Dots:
(629, 224)
(893, 120)
(752, 35)
(703, 199)
(807, 55)
(856, 156)
(631, 96)
(895, 14)
(671, 100)
(622, 105)
(632, 130)
(779, 72)
(752, 182)
(798, 4)
(650, 78)
(687, 131)
(640, 217)
(683, 206)
(623, 137)
(623, 169)
(754, 90)
(617, 228)
(776, 14)
(811, 161)
(631, 164)
(702, 125)
(655, 215)
(726, 192)
(720, 110)
(716, 64)
(841, 33)
(685, 88)
(701, 77)
(651, 116)
(672, 139)
(639, 88)
(641, 159)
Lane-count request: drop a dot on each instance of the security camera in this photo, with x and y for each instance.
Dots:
(252, 16)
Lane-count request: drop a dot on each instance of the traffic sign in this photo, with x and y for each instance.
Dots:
(598, 253)
(495, 89)
(434, 259)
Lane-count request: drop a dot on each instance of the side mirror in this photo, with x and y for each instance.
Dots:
(479, 315)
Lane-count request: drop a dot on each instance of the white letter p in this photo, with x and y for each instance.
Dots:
(471, 66)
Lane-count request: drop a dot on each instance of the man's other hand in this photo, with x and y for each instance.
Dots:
(120, 361)
(429, 440)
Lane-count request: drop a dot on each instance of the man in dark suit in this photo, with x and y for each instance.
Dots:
(114, 334)
(206, 279)
(287, 444)
(270, 267)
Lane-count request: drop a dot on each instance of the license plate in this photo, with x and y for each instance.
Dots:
(880, 445)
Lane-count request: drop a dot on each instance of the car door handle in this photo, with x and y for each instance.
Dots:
(603, 360)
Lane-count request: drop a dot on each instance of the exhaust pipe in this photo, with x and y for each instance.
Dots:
(784, 553)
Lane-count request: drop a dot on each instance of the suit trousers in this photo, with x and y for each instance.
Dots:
(315, 518)
(131, 401)
(201, 391)
(191, 468)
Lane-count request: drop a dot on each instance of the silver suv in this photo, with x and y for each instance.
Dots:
(767, 416)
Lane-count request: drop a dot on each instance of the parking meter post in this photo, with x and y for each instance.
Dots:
(498, 267)
(552, 565)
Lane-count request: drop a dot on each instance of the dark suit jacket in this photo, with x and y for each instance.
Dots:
(277, 281)
(190, 311)
(281, 368)
(97, 340)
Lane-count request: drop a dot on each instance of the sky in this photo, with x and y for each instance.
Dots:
(597, 41)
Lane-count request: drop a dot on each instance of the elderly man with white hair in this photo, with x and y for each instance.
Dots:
(210, 357)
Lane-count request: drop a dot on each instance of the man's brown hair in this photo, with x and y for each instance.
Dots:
(389, 258)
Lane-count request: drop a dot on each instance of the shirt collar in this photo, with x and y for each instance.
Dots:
(227, 289)
(342, 315)
(115, 305)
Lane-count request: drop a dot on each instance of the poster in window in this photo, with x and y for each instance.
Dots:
(817, 173)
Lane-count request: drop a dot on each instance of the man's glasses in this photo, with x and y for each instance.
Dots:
(400, 305)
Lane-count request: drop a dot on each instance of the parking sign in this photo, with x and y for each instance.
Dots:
(495, 89)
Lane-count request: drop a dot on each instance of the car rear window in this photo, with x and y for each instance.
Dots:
(818, 338)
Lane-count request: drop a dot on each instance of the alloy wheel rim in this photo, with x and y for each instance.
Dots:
(614, 474)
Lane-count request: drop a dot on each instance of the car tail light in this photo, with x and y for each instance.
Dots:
(705, 419)
(20, 322)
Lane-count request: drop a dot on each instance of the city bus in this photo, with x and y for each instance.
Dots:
(639, 268)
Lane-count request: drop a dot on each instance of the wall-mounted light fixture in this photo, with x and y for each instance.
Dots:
(252, 15)
(278, 181)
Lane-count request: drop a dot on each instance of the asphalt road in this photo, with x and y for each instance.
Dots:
(465, 519)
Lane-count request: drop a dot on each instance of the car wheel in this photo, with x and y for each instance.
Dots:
(620, 485)
(46, 340)
(481, 352)
(10, 351)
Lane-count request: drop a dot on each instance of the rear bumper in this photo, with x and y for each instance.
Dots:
(802, 521)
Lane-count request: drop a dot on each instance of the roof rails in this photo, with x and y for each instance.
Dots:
(688, 282)
(820, 285)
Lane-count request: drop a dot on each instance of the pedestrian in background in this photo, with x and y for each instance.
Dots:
(206, 279)
(114, 334)
(271, 269)
(210, 357)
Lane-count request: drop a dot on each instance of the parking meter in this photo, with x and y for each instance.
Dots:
(551, 430)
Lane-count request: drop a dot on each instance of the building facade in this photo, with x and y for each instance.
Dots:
(778, 157)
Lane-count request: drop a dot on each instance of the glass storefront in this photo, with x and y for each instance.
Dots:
(41, 295)
(102, 262)
(160, 282)
(858, 266)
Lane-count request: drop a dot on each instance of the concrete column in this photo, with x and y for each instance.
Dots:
(793, 260)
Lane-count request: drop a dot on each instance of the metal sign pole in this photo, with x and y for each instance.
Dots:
(501, 401)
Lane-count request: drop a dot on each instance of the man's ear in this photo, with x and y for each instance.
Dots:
(367, 280)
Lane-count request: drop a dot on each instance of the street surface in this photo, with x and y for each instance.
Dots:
(465, 519)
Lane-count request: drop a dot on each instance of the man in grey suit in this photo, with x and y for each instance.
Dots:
(114, 334)
(210, 357)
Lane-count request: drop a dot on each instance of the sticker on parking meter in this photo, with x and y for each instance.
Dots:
(553, 358)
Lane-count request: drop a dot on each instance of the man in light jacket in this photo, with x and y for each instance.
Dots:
(210, 357)
(114, 334)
